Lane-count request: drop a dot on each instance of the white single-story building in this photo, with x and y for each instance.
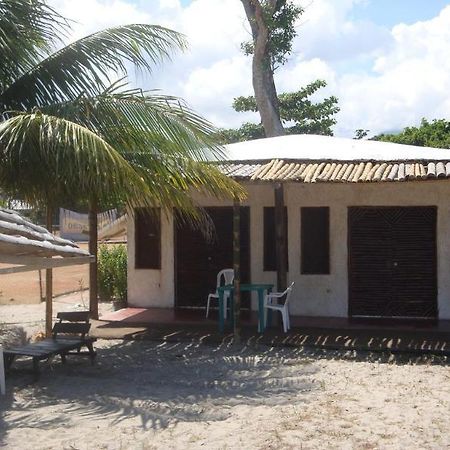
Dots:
(368, 231)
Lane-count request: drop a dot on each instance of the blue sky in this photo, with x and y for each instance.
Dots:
(387, 61)
(392, 12)
(389, 12)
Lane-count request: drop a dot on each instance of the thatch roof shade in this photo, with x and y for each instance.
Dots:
(32, 247)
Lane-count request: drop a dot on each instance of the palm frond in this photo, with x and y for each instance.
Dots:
(159, 134)
(88, 65)
(145, 122)
(46, 157)
(185, 176)
(28, 30)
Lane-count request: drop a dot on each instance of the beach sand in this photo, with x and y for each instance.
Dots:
(156, 395)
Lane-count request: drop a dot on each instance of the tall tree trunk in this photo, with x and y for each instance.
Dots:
(93, 247)
(280, 237)
(262, 71)
(49, 281)
(237, 270)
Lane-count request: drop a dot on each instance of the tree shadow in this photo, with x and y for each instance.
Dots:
(159, 383)
(165, 381)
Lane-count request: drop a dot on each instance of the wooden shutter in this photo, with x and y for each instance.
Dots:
(315, 240)
(148, 238)
(392, 262)
(270, 258)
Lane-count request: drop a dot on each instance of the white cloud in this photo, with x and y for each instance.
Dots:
(384, 79)
(303, 72)
(327, 32)
(410, 81)
(89, 16)
(215, 87)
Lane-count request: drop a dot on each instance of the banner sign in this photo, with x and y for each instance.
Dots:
(75, 226)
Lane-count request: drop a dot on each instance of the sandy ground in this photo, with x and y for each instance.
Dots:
(31, 317)
(24, 287)
(152, 395)
(27, 287)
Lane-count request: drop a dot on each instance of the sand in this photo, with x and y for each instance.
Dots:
(155, 395)
(25, 287)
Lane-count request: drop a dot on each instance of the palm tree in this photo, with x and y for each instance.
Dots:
(72, 130)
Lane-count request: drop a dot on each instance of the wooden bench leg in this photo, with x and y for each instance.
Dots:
(9, 359)
(36, 371)
(92, 353)
(2, 373)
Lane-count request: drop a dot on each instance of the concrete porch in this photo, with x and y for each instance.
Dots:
(318, 332)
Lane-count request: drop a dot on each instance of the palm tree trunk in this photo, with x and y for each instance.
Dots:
(93, 247)
(49, 282)
(237, 270)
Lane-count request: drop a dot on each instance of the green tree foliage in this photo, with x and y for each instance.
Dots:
(299, 115)
(112, 272)
(428, 134)
(280, 22)
(71, 133)
(272, 24)
(360, 133)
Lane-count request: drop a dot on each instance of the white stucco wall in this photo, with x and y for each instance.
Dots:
(148, 288)
(314, 295)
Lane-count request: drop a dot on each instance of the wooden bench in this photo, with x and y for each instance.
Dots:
(70, 335)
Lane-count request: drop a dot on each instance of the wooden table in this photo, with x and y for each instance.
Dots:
(248, 287)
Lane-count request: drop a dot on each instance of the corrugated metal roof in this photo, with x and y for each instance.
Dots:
(336, 171)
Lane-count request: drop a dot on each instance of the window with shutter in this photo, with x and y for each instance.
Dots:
(315, 240)
(148, 238)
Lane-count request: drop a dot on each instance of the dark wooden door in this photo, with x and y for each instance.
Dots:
(197, 260)
(392, 262)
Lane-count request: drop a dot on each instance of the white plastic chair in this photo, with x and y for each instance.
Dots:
(225, 276)
(272, 302)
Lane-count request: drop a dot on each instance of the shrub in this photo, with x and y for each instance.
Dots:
(112, 272)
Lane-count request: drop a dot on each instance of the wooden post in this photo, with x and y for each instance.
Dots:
(280, 237)
(237, 269)
(93, 244)
(2, 373)
(49, 282)
(41, 295)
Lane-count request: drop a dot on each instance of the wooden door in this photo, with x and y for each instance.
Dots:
(392, 262)
(198, 261)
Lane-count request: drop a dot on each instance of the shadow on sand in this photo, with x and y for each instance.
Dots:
(163, 382)
(160, 383)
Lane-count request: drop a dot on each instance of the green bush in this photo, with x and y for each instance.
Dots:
(112, 272)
